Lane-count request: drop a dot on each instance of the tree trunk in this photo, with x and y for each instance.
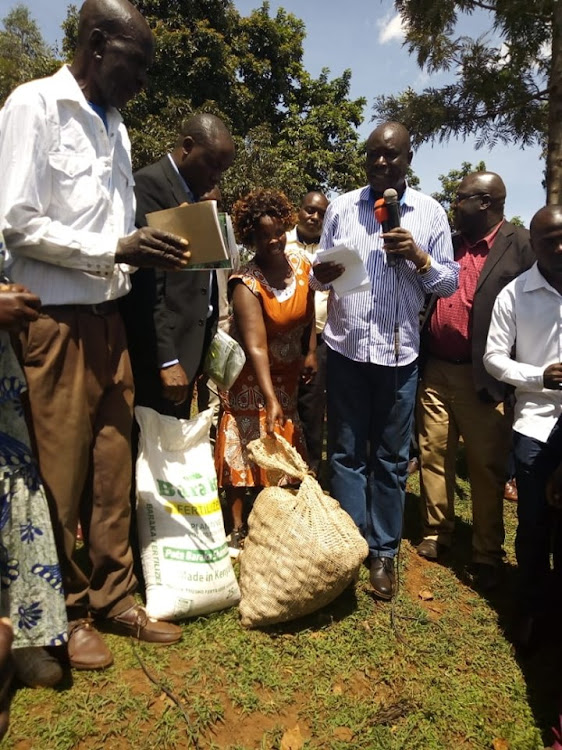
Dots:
(554, 152)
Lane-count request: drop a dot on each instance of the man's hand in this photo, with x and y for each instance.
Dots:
(149, 247)
(174, 383)
(327, 272)
(309, 368)
(273, 414)
(554, 488)
(401, 243)
(18, 306)
(552, 377)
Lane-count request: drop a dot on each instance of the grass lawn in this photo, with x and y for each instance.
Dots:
(445, 676)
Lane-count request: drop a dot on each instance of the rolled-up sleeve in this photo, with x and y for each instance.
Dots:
(442, 278)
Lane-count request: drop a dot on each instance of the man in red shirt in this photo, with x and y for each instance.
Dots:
(457, 397)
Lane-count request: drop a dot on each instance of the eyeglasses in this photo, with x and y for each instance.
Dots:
(460, 197)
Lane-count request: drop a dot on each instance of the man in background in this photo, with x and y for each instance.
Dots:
(523, 350)
(171, 318)
(456, 396)
(305, 236)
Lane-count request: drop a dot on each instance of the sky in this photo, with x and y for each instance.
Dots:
(367, 38)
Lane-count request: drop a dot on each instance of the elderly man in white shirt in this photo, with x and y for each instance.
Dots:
(524, 349)
(67, 212)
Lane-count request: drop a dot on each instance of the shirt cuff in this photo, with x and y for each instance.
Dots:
(169, 364)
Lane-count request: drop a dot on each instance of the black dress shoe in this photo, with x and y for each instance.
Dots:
(486, 577)
(382, 576)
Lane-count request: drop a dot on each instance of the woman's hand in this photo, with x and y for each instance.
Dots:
(18, 306)
(309, 368)
(273, 414)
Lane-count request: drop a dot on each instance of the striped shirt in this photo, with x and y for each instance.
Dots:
(361, 326)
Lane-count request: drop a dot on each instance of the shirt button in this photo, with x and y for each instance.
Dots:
(201, 322)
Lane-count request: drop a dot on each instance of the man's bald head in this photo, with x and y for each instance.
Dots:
(479, 204)
(204, 128)
(545, 218)
(115, 48)
(203, 152)
(115, 17)
(388, 157)
(546, 239)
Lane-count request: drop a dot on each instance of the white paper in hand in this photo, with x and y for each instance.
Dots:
(354, 279)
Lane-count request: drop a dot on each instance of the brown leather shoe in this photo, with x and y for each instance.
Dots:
(382, 577)
(136, 623)
(86, 648)
(510, 491)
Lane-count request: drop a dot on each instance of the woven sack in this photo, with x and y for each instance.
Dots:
(302, 548)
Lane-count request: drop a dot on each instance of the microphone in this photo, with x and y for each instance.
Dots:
(387, 213)
(390, 197)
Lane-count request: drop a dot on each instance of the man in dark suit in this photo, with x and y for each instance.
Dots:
(171, 317)
(457, 397)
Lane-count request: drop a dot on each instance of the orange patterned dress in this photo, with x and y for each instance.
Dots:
(286, 314)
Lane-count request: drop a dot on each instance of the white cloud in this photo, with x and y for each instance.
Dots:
(391, 28)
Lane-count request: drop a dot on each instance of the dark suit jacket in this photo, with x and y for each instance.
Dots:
(166, 312)
(509, 256)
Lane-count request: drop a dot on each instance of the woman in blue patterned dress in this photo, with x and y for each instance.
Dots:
(31, 593)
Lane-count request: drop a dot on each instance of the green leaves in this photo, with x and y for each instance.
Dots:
(502, 83)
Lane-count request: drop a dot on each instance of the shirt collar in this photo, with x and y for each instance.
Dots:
(367, 195)
(488, 240)
(69, 90)
(186, 187)
(293, 236)
(535, 280)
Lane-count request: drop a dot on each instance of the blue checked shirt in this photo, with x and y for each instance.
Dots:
(361, 326)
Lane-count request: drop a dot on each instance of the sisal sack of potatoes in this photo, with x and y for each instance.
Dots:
(302, 548)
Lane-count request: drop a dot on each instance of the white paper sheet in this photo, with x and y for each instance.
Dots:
(354, 279)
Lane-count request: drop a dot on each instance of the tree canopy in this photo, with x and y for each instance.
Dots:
(292, 131)
(23, 52)
(450, 183)
(507, 84)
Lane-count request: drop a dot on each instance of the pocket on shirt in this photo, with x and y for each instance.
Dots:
(74, 187)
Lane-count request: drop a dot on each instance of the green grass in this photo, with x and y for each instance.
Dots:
(445, 677)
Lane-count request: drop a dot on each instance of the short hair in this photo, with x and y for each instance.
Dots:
(203, 128)
(247, 212)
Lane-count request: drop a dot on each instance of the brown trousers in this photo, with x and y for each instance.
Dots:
(81, 400)
(447, 408)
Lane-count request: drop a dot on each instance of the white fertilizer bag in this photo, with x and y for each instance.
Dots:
(184, 554)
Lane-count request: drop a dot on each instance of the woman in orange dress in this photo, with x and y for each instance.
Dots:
(273, 319)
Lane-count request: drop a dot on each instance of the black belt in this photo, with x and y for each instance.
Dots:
(452, 361)
(99, 308)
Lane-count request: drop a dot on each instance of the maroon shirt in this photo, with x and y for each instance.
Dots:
(450, 327)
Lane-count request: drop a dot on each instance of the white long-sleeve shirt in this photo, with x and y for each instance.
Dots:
(527, 315)
(67, 192)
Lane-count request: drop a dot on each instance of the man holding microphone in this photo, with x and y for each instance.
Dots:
(373, 343)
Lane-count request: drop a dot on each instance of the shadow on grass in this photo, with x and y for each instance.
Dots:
(541, 666)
